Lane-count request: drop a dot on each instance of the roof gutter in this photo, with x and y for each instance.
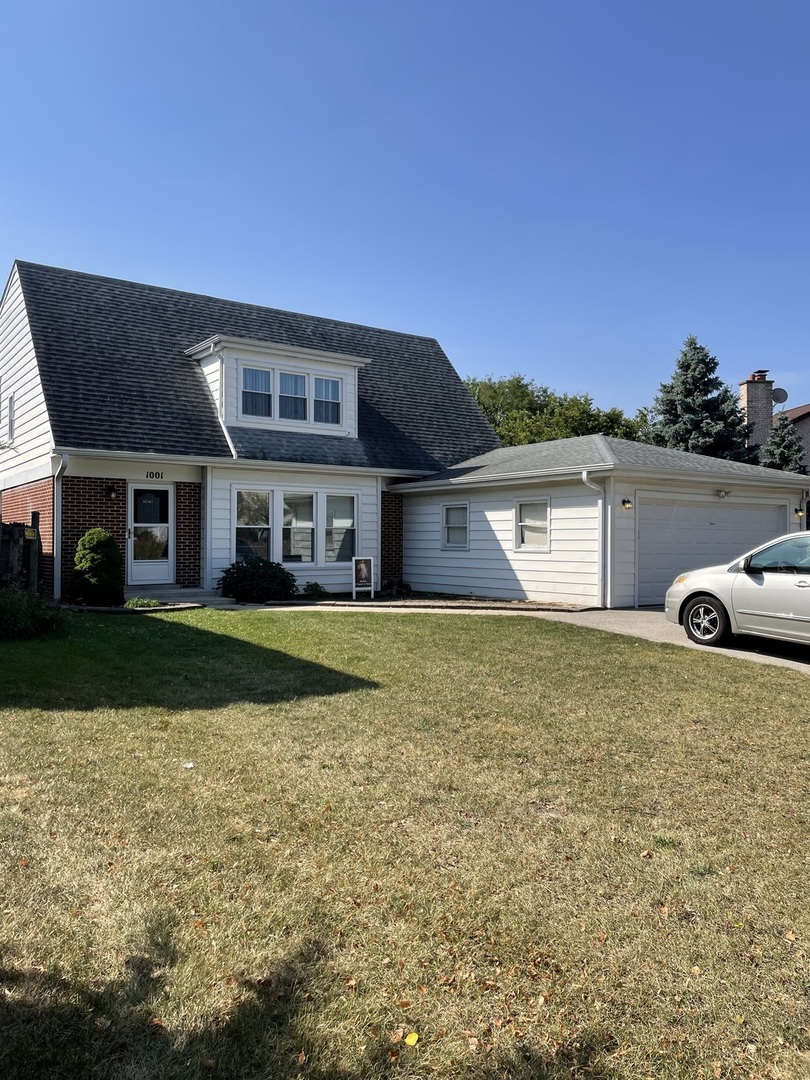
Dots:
(501, 478)
(604, 539)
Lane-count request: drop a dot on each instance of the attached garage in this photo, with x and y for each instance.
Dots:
(620, 520)
(676, 535)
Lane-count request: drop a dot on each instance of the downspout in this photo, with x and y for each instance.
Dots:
(57, 525)
(603, 552)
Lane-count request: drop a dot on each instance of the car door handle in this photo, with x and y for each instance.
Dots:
(803, 584)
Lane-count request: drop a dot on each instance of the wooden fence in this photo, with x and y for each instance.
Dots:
(19, 554)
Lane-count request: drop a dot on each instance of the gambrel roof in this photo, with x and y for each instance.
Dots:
(115, 375)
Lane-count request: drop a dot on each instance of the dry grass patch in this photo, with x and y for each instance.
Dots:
(256, 845)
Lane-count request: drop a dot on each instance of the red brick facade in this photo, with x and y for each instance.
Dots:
(188, 512)
(17, 504)
(391, 539)
(101, 502)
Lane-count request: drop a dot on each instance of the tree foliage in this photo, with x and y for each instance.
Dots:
(697, 412)
(784, 449)
(520, 411)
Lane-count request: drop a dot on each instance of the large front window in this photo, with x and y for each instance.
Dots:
(299, 528)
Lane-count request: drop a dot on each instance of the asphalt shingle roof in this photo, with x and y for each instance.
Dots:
(590, 451)
(115, 376)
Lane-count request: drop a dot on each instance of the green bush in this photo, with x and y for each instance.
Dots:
(255, 581)
(24, 614)
(98, 578)
(313, 590)
(142, 602)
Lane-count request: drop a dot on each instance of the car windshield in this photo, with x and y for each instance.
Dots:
(791, 556)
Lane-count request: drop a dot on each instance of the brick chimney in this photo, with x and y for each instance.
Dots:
(756, 402)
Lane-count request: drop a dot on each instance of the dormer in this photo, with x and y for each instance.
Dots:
(258, 384)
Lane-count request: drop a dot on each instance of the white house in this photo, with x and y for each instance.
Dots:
(197, 430)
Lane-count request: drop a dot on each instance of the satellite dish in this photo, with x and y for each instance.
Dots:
(779, 395)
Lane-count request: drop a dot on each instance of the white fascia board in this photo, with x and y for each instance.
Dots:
(218, 343)
(240, 463)
(719, 476)
(505, 478)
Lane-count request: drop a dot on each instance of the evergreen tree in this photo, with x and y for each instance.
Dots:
(523, 412)
(784, 449)
(699, 413)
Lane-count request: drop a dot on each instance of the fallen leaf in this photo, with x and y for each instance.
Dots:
(412, 1039)
(396, 1036)
(647, 854)
(404, 1003)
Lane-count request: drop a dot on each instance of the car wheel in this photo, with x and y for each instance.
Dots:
(705, 621)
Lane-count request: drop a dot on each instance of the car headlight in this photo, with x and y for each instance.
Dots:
(680, 579)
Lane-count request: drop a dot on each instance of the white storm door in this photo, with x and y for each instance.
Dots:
(150, 535)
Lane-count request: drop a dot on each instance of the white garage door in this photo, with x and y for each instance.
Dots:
(673, 537)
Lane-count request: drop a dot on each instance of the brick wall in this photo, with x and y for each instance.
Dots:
(87, 504)
(756, 402)
(391, 537)
(17, 504)
(188, 511)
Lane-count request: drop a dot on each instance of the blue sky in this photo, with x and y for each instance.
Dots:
(561, 189)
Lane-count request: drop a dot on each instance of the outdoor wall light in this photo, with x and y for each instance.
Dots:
(722, 494)
(110, 491)
(627, 504)
(799, 512)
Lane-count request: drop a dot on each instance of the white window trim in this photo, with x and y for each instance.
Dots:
(445, 546)
(275, 422)
(516, 544)
(277, 493)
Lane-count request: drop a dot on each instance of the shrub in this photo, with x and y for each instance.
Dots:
(255, 581)
(24, 614)
(142, 602)
(313, 590)
(98, 575)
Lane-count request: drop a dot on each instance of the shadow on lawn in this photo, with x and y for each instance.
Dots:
(116, 662)
(53, 1029)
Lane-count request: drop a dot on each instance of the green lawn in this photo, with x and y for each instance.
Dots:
(340, 846)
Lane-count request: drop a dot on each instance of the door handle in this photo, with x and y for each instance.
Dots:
(803, 584)
(129, 537)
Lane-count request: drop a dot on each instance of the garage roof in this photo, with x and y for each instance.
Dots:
(601, 453)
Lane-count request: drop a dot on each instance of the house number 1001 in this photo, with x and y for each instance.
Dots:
(154, 476)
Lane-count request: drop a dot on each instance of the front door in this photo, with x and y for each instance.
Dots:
(150, 535)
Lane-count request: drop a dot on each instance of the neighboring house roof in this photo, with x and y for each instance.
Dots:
(600, 453)
(115, 376)
(798, 413)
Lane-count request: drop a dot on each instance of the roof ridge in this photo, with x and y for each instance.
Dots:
(169, 290)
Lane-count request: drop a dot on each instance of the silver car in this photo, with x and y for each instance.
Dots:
(766, 592)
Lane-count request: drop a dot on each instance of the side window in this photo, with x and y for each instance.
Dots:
(787, 557)
(531, 525)
(455, 526)
(257, 392)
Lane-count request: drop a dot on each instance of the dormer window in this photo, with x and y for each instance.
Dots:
(290, 397)
(327, 401)
(257, 392)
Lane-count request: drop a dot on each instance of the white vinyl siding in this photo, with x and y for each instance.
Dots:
(567, 573)
(21, 389)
